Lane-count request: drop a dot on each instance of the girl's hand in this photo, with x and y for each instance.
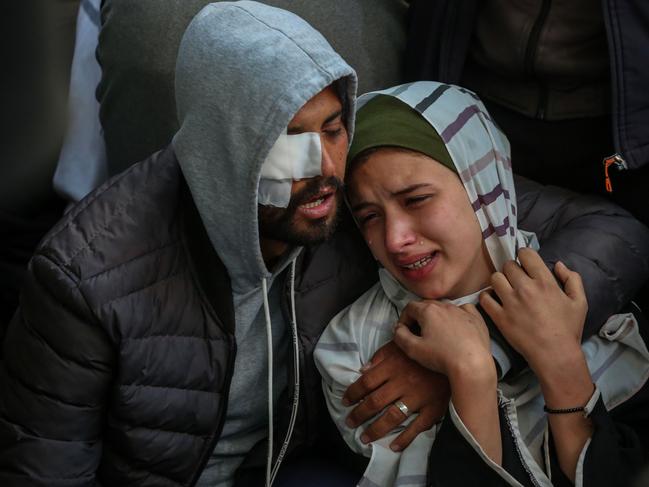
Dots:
(455, 341)
(452, 337)
(544, 323)
(540, 320)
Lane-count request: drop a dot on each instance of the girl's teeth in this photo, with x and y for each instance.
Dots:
(419, 264)
(317, 202)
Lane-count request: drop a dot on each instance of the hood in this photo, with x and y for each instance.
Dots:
(480, 153)
(244, 70)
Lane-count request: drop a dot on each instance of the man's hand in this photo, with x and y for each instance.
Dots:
(540, 320)
(391, 376)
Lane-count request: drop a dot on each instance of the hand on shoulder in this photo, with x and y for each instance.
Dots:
(542, 319)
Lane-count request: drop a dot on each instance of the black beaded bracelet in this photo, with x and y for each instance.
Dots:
(564, 411)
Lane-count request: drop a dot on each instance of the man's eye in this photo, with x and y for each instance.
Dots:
(334, 132)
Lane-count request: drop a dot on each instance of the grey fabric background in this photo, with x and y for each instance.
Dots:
(138, 46)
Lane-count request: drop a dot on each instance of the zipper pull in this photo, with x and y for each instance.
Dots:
(620, 164)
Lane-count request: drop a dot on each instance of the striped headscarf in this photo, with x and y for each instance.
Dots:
(480, 153)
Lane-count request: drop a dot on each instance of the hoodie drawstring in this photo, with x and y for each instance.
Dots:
(269, 341)
(271, 471)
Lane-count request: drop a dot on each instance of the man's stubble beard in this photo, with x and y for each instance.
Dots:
(280, 223)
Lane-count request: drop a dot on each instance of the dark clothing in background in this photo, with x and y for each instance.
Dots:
(38, 41)
(566, 151)
(543, 59)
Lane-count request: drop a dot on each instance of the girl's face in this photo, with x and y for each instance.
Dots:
(416, 218)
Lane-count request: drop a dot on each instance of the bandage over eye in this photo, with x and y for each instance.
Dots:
(291, 157)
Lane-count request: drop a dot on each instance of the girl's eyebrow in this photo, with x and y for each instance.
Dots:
(360, 206)
(409, 189)
(401, 192)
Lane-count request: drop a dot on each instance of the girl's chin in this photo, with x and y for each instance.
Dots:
(432, 295)
(429, 292)
(439, 291)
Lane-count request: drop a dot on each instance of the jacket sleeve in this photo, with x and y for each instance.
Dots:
(599, 240)
(457, 460)
(53, 384)
(619, 446)
(613, 455)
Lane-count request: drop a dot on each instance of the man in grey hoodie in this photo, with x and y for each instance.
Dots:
(258, 245)
(166, 330)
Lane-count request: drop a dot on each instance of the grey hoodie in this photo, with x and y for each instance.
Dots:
(244, 69)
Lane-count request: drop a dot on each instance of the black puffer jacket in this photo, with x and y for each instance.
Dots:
(116, 367)
(121, 354)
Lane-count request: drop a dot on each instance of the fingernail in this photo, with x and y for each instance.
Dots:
(349, 423)
(365, 438)
(395, 447)
(346, 402)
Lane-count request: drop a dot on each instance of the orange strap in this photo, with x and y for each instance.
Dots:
(607, 179)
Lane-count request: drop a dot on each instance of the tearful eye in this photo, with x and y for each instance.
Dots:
(414, 200)
(365, 219)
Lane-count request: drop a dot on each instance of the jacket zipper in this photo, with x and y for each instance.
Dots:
(613, 29)
(286, 304)
(517, 447)
(530, 54)
(223, 406)
(617, 161)
(446, 40)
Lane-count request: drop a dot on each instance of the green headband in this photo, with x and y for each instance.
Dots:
(386, 121)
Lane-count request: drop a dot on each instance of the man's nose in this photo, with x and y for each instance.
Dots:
(329, 166)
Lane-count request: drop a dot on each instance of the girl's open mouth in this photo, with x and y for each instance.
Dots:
(419, 266)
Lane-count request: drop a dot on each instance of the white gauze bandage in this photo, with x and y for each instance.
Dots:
(292, 157)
